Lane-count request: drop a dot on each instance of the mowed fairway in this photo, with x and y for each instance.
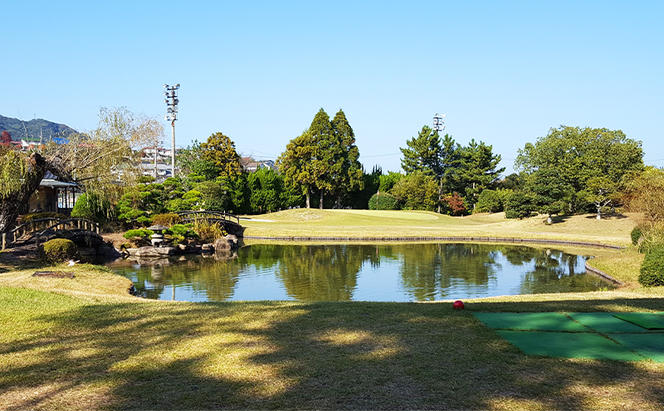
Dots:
(409, 224)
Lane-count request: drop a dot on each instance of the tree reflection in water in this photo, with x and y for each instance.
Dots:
(401, 272)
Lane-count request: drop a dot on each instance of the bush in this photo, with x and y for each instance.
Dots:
(652, 269)
(383, 201)
(416, 191)
(651, 238)
(454, 204)
(180, 232)
(167, 219)
(59, 250)
(488, 202)
(138, 236)
(209, 232)
(636, 235)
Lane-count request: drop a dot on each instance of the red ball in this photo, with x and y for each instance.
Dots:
(458, 305)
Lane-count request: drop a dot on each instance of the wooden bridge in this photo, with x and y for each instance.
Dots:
(35, 230)
(230, 222)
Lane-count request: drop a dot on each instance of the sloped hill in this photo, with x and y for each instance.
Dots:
(34, 130)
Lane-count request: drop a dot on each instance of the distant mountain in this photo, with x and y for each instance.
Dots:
(34, 130)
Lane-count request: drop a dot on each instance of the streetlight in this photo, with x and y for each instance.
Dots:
(172, 115)
(439, 122)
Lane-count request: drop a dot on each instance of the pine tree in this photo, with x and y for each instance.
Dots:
(423, 153)
(476, 170)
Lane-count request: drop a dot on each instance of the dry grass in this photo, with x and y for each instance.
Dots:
(62, 353)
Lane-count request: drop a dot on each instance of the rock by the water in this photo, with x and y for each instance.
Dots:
(207, 248)
(221, 244)
(149, 251)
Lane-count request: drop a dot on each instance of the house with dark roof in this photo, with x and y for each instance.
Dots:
(54, 195)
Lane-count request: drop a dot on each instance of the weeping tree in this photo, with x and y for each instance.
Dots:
(101, 161)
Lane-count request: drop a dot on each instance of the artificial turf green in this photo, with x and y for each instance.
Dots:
(530, 321)
(649, 345)
(650, 321)
(569, 345)
(605, 323)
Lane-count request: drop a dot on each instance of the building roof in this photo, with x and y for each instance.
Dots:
(50, 180)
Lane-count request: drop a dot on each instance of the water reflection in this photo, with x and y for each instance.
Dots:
(385, 272)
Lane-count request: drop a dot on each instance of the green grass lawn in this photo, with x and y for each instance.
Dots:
(405, 224)
(84, 343)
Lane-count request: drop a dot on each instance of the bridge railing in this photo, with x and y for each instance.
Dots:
(40, 227)
(189, 216)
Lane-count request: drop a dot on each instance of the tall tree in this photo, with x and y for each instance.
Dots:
(423, 153)
(191, 161)
(477, 170)
(219, 150)
(347, 174)
(327, 151)
(578, 154)
(551, 194)
(297, 164)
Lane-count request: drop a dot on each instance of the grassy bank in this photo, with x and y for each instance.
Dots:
(404, 224)
(84, 343)
(67, 353)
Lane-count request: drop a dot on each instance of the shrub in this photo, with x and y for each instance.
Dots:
(209, 232)
(636, 235)
(180, 232)
(167, 219)
(416, 191)
(59, 250)
(651, 237)
(383, 201)
(138, 236)
(488, 202)
(454, 204)
(652, 268)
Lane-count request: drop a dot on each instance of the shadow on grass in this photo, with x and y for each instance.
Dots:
(288, 355)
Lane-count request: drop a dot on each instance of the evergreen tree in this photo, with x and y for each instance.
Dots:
(297, 165)
(423, 153)
(551, 194)
(219, 150)
(347, 173)
(325, 167)
(477, 170)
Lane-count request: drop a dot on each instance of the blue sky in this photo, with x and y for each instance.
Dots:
(503, 72)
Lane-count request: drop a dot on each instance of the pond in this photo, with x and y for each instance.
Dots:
(353, 272)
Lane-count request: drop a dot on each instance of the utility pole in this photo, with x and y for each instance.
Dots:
(439, 122)
(172, 115)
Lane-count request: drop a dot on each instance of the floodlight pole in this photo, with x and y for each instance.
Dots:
(172, 115)
(439, 122)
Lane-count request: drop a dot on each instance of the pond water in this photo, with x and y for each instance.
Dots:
(382, 272)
